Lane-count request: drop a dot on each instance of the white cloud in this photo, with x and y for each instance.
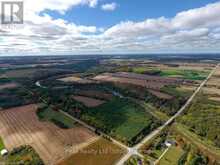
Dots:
(58, 5)
(109, 6)
(192, 30)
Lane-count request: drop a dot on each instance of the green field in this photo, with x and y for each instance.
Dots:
(46, 114)
(2, 146)
(172, 156)
(186, 74)
(120, 118)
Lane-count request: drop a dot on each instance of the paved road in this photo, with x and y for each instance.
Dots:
(158, 130)
(134, 150)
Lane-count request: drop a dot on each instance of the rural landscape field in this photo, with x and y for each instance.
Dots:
(109, 110)
(109, 82)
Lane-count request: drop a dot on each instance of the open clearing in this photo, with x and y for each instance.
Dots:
(102, 152)
(75, 79)
(95, 94)
(20, 126)
(161, 94)
(89, 102)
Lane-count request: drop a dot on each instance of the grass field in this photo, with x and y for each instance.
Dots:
(99, 153)
(120, 118)
(186, 74)
(2, 146)
(56, 117)
(172, 156)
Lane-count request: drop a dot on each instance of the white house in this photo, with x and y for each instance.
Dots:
(4, 152)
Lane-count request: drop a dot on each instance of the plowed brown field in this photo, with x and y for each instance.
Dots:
(19, 126)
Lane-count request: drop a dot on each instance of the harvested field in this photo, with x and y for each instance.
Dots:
(215, 98)
(146, 77)
(151, 82)
(20, 126)
(102, 152)
(211, 91)
(142, 83)
(87, 101)
(8, 86)
(74, 79)
(161, 95)
(217, 73)
(95, 94)
(215, 82)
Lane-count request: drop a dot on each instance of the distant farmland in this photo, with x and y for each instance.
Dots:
(151, 82)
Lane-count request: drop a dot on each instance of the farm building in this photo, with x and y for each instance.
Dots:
(4, 152)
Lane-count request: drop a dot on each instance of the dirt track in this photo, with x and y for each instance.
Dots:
(19, 126)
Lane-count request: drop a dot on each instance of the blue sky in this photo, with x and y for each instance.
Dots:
(114, 26)
(138, 10)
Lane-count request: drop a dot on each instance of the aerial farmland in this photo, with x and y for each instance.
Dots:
(96, 109)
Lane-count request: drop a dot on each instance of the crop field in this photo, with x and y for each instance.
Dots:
(187, 71)
(98, 153)
(89, 102)
(121, 119)
(8, 86)
(214, 81)
(151, 82)
(20, 126)
(173, 72)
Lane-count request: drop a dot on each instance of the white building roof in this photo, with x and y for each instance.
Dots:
(4, 152)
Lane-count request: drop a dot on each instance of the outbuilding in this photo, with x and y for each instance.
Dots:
(170, 143)
(4, 152)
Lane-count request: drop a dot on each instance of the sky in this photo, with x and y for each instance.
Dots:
(114, 27)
